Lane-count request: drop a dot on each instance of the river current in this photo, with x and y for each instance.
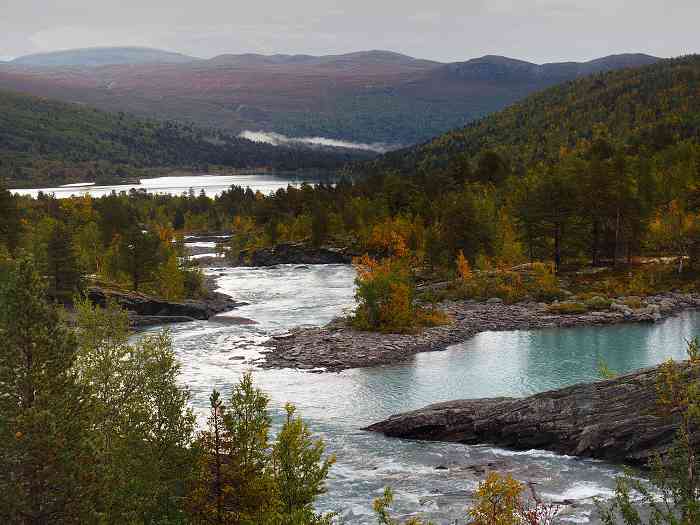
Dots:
(337, 405)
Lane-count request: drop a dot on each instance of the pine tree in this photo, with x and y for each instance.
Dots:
(62, 263)
(242, 479)
(235, 484)
(139, 256)
(43, 410)
(10, 230)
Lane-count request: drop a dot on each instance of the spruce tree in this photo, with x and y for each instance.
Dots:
(43, 466)
(9, 220)
(62, 268)
(139, 256)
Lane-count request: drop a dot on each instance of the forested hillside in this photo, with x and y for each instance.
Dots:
(368, 97)
(598, 172)
(48, 142)
(643, 108)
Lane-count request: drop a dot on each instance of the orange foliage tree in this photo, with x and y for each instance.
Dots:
(385, 294)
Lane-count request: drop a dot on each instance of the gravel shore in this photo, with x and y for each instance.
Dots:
(337, 346)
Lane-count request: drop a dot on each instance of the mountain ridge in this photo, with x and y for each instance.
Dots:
(101, 56)
(373, 96)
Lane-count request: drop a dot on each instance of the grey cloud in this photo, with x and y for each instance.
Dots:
(538, 30)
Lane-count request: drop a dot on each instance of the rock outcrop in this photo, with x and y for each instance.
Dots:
(616, 420)
(295, 253)
(145, 310)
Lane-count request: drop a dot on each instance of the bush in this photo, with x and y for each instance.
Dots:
(499, 500)
(670, 495)
(432, 317)
(543, 284)
(386, 298)
(538, 283)
(642, 283)
(633, 302)
(385, 294)
(568, 308)
(598, 303)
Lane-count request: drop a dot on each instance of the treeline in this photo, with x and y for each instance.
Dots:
(48, 142)
(596, 204)
(613, 192)
(112, 241)
(602, 168)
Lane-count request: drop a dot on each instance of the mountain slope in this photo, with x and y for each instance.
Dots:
(369, 96)
(102, 56)
(46, 141)
(647, 107)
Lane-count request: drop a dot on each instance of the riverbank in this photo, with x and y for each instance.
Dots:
(337, 346)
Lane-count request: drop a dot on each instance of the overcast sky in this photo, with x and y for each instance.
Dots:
(446, 30)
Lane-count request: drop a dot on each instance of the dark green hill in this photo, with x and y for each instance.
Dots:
(43, 141)
(649, 107)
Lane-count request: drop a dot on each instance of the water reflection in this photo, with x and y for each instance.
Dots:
(211, 184)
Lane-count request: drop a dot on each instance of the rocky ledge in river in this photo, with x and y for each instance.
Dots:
(145, 310)
(295, 253)
(337, 346)
(616, 420)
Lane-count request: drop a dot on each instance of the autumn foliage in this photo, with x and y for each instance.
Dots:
(386, 297)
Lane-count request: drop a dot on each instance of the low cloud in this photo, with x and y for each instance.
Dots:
(277, 139)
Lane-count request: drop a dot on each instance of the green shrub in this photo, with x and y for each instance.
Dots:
(598, 303)
(568, 308)
(543, 284)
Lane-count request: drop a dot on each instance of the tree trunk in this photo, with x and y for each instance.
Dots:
(217, 480)
(617, 237)
(594, 251)
(557, 247)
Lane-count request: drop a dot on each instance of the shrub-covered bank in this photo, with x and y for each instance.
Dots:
(339, 346)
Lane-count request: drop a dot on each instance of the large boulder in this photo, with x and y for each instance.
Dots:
(617, 420)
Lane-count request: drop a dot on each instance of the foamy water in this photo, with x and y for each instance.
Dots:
(338, 405)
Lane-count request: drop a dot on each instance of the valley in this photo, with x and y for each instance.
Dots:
(348, 288)
(366, 97)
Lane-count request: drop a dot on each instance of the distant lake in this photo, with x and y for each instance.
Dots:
(211, 184)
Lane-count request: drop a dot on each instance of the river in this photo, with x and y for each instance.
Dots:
(211, 184)
(337, 405)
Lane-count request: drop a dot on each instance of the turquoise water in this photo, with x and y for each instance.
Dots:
(337, 405)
